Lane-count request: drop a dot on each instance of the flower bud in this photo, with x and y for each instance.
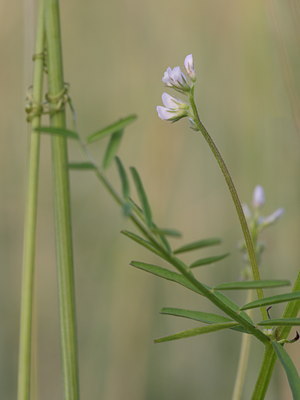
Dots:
(189, 67)
(258, 197)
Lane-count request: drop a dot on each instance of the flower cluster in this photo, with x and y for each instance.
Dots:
(254, 218)
(257, 223)
(175, 109)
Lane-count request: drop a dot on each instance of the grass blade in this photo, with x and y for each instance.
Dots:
(240, 285)
(208, 260)
(280, 322)
(281, 298)
(290, 369)
(196, 331)
(81, 165)
(123, 177)
(67, 133)
(142, 196)
(115, 127)
(112, 148)
(197, 245)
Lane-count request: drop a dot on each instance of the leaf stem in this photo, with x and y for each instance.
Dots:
(29, 244)
(234, 195)
(62, 207)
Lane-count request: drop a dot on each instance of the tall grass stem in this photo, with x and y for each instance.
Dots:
(29, 243)
(62, 207)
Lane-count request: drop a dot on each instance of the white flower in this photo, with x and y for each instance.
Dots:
(189, 67)
(266, 221)
(258, 197)
(176, 79)
(173, 110)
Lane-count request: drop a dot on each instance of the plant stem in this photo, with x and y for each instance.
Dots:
(243, 359)
(63, 230)
(267, 366)
(178, 264)
(235, 198)
(29, 249)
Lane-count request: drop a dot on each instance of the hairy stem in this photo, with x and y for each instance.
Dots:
(235, 198)
(63, 230)
(24, 373)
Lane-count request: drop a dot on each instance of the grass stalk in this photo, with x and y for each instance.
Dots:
(29, 241)
(243, 359)
(267, 366)
(62, 207)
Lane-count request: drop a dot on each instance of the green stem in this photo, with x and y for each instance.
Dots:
(243, 359)
(63, 230)
(266, 370)
(235, 198)
(208, 292)
(24, 374)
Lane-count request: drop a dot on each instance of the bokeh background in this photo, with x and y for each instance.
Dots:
(247, 60)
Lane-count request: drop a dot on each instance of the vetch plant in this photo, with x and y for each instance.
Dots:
(271, 333)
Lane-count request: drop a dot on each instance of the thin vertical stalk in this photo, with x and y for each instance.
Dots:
(235, 198)
(243, 359)
(63, 230)
(267, 366)
(29, 249)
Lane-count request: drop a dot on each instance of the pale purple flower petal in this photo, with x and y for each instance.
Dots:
(164, 113)
(176, 79)
(273, 217)
(170, 101)
(189, 66)
(258, 197)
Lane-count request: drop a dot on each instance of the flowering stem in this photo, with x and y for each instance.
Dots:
(24, 373)
(63, 232)
(234, 195)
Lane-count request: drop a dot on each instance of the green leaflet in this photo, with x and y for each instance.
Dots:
(197, 245)
(142, 196)
(252, 284)
(281, 298)
(167, 232)
(280, 322)
(115, 127)
(208, 318)
(81, 165)
(123, 177)
(58, 131)
(290, 369)
(142, 242)
(208, 260)
(197, 331)
(165, 274)
(181, 280)
(112, 148)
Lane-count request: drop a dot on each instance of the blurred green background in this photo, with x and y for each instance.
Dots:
(247, 60)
